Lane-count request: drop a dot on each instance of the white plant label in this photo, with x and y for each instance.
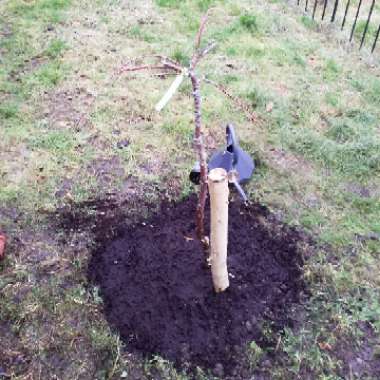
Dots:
(171, 91)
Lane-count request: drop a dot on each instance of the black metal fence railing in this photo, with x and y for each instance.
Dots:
(361, 17)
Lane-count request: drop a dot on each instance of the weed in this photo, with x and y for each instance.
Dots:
(302, 354)
(102, 338)
(47, 76)
(137, 32)
(331, 70)
(168, 3)
(181, 57)
(342, 131)
(249, 22)
(203, 5)
(55, 48)
(286, 56)
(312, 219)
(180, 129)
(332, 99)
(256, 97)
(231, 78)
(308, 22)
(363, 117)
(372, 93)
(231, 51)
(55, 141)
(255, 52)
(357, 84)
(8, 110)
(255, 353)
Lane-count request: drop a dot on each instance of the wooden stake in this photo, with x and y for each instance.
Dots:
(218, 188)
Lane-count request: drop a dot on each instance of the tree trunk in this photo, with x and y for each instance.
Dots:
(202, 156)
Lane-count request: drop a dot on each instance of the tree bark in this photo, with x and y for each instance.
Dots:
(202, 156)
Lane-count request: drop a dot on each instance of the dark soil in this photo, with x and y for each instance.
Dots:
(158, 293)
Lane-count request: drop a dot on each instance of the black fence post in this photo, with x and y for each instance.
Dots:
(344, 21)
(334, 11)
(315, 8)
(366, 25)
(324, 9)
(345, 13)
(356, 19)
(376, 38)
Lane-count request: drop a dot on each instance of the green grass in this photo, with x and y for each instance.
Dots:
(249, 22)
(317, 150)
(181, 57)
(308, 22)
(8, 110)
(202, 5)
(371, 31)
(332, 99)
(331, 70)
(39, 10)
(182, 130)
(47, 76)
(57, 142)
(339, 149)
(55, 48)
(168, 3)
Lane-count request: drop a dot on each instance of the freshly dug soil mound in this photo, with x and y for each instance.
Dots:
(158, 292)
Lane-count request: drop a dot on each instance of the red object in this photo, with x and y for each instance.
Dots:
(3, 240)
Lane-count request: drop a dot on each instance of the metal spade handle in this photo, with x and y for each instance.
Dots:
(232, 143)
(231, 138)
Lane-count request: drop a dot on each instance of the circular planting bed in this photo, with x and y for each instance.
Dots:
(158, 292)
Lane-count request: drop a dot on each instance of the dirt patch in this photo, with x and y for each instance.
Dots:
(158, 293)
(360, 362)
(361, 191)
(143, 12)
(11, 351)
(287, 161)
(106, 169)
(66, 109)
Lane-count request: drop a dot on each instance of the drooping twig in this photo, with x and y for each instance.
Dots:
(165, 63)
(251, 116)
(142, 67)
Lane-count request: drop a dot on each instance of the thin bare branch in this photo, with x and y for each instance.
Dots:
(162, 66)
(167, 59)
(196, 55)
(139, 68)
(252, 116)
(201, 29)
(160, 57)
(200, 54)
(164, 74)
(207, 49)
